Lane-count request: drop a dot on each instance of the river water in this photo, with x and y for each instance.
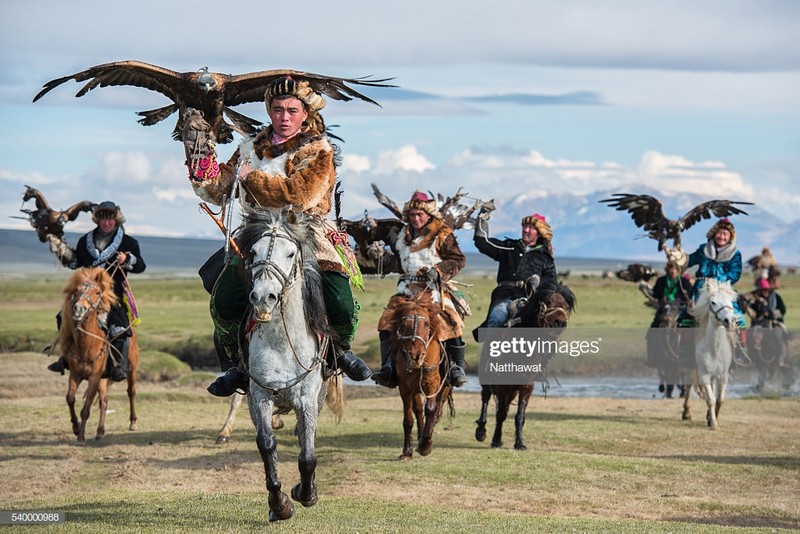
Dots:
(618, 387)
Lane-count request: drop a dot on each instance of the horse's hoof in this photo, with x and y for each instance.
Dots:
(426, 451)
(296, 491)
(281, 510)
(480, 434)
(277, 422)
(520, 447)
(134, 426)
(686, 416)
(97, 438)
(404, 457)
(497, 444)
(222, 440)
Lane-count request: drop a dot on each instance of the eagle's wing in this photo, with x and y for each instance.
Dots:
(718, 208)
(646, 211)
(72, 212)
(387, 202)
(136, 73)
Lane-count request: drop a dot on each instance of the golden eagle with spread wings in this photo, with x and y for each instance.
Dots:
(212, 93)
(47, 221)
(648, 214)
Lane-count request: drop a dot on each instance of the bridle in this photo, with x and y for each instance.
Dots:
(266, 266)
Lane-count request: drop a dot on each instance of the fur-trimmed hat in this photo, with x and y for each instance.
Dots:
(540, 223)
(421, 201)
(763, 283)
(300, 89)
(106, 210)
(722, 224)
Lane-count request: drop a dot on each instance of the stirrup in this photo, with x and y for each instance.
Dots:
(228, 384)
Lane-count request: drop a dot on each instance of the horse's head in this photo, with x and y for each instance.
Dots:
(278, 248)
(418, 329)
(667, 314)
(549, 309)
(89, 291)
(715, 302)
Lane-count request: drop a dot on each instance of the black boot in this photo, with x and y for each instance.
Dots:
(119, 352)
(234, 379)
(386, 377)
(352, 366)
(58, 366)
(456, 349)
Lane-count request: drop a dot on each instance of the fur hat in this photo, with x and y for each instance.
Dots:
(421, 201)
(105, 210)
(300, 89)
(540, 223)
(722, 224)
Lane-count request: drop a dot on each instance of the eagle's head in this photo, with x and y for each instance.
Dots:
(206, 80)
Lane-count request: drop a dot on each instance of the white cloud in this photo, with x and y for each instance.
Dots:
(355, 163)
(677, 174)
(405, 158)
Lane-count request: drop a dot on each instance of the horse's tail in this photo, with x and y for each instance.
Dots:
(334, 397)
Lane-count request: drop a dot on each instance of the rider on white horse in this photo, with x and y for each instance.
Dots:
(288, 164)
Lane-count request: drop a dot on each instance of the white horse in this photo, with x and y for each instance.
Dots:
(287, 345)
(716, 325)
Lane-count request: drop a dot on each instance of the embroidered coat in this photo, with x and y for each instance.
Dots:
(433, 247)
(299, 172)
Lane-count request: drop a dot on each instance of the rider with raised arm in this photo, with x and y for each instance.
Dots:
(429, 257)
(291, 163)
(519, 260)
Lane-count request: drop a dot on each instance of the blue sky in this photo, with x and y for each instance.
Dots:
(510, 99)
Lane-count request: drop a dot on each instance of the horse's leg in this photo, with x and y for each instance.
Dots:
(688, 381)
(72, 389)
(432, 409)
(503, 400)
(519, 421)
(486, 395)
(102, 395)
(133, 363)
(408, 423)
(224, 435)
(91, 392)
(305, 492)
(711, 401)
(280, 507)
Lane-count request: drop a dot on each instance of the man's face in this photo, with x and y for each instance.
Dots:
(418, 218)
(107, 224)
(529, 235)
(287, 116)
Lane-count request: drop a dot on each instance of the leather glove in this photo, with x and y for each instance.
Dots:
(61, 249)
(677, 256)
(196, 134)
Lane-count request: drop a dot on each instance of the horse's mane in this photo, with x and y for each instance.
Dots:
(700, 308)
(298, 227)
(422, 300)
(91, 275)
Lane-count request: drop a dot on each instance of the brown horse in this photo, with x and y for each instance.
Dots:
(88, 297)
(420, 362)
(549, 310)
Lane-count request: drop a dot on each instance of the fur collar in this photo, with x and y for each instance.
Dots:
(436, 228)
(264, 149)
(722, 254)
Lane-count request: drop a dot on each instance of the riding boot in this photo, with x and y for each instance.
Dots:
(120, 346)
(456, 350)
(386, 377)
(234, 378)
(58, 366)
(352, 366)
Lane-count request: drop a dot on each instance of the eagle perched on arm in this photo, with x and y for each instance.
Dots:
(648, 214)
(212, 93)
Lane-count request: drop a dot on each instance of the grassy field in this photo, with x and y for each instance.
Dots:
(593, 464)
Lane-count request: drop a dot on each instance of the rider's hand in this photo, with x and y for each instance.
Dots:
(122, 257)
(431, 273)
